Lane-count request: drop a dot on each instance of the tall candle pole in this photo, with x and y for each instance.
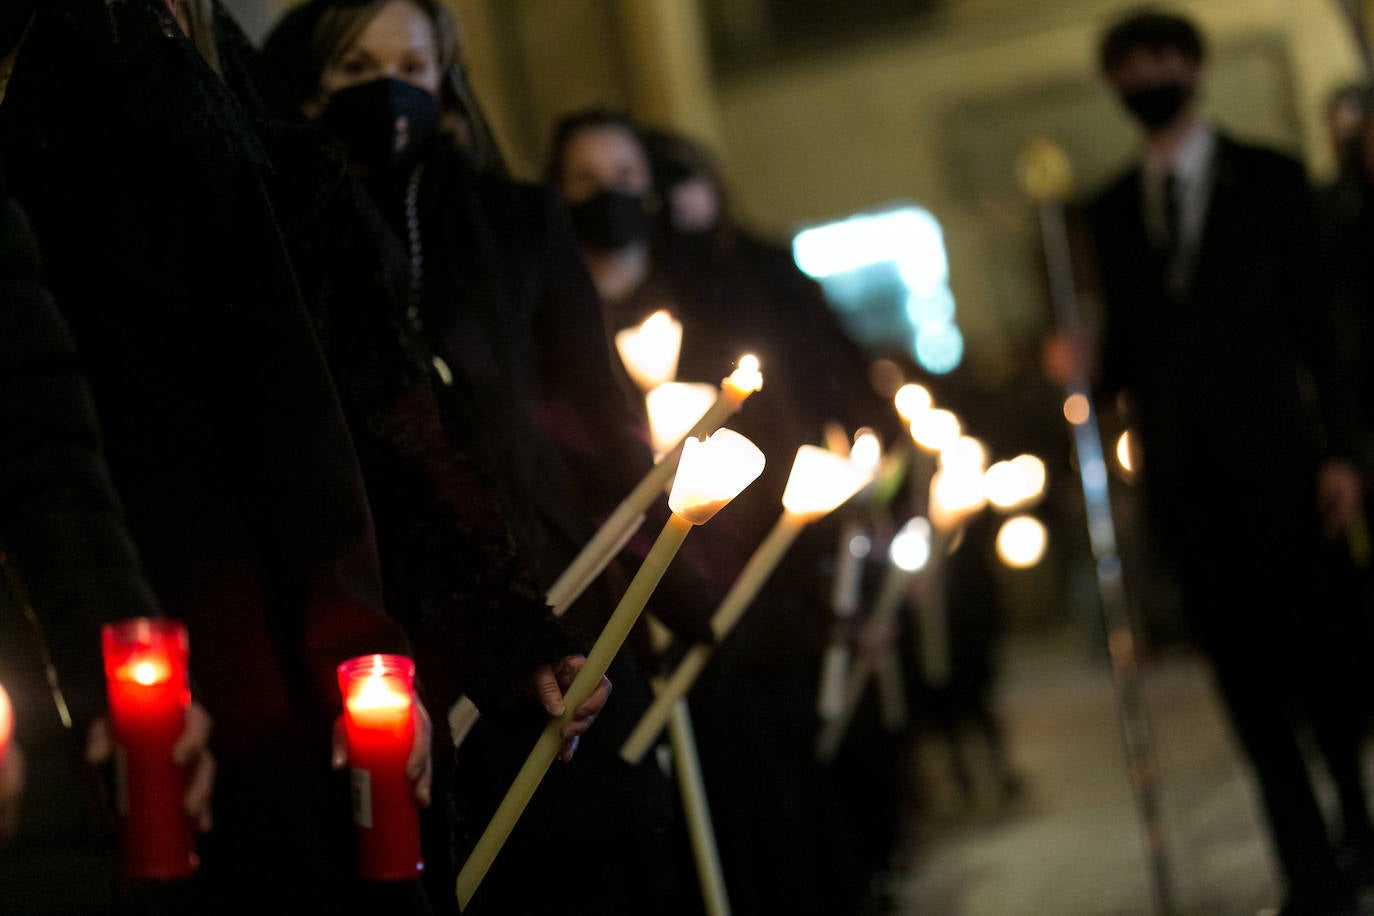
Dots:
(148, 689)
(712, 474)
(692, 788)
(844, 604)
(847, 585)
(697, 812)
(912, 551)
(1046, 177)
(820, 481)
(627, 517)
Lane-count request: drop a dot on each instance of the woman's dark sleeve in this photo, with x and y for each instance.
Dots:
(60, 522)
(301, 485)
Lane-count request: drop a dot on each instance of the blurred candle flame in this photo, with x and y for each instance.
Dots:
(1014, 483)
(867, 451)
(674, 408)
(1021, 541)
(912, 399)
(967, 453)
(1077, 409)
(746, 379)
(650, 351)
(1124, 445)
(820, 481)
(910, 550)
(935, 430)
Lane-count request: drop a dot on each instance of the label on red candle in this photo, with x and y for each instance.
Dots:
(362, 797)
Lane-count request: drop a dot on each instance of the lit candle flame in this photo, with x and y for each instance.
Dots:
(746, 379)
(910, 550)
(1123, 452)
(935, 430)
(955, 494)
(1015, 483)
(674, 408)
(820, 481)
(1021, 542)
(713, 472)
(377, 692)
(650, 351)
(1005, 485)
(910, 400)
(867, 452)
(1033, 470)
(967, 453)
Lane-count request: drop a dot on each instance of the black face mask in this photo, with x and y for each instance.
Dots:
(364, 117)
(1156, 106)
(610, 220)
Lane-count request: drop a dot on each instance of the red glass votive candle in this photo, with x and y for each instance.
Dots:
(379, 719)
(149, 690)
(6, 723)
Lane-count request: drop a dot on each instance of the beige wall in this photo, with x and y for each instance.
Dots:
(933, 115)
(926, 117)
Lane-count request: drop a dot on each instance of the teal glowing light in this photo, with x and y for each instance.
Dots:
(887, 274)
(939, 346)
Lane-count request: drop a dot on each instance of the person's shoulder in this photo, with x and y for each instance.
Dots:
(1258, 159)
(1120, 191)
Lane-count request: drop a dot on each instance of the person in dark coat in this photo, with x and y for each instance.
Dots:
(454, 574)
(1218, 329)
(65, 551)
(497, 298)
(652, 242)
(222, 431)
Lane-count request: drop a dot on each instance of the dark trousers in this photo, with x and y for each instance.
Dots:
(1278, 626)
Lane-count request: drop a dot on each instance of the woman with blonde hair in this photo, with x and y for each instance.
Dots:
(495, 294)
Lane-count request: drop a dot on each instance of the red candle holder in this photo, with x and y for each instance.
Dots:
(379, 719)
(6, 723)
(149, 690)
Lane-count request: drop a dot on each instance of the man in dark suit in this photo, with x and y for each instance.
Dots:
(1216, 330)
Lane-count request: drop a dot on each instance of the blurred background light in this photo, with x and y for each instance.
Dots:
(886, 273)
(910, 550)
(1021, 542)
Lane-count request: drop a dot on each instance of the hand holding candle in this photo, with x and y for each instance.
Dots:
(626, 518)
(383, 723)
(819, 483)
(711, 474)
(149, 693)
(551, 682)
